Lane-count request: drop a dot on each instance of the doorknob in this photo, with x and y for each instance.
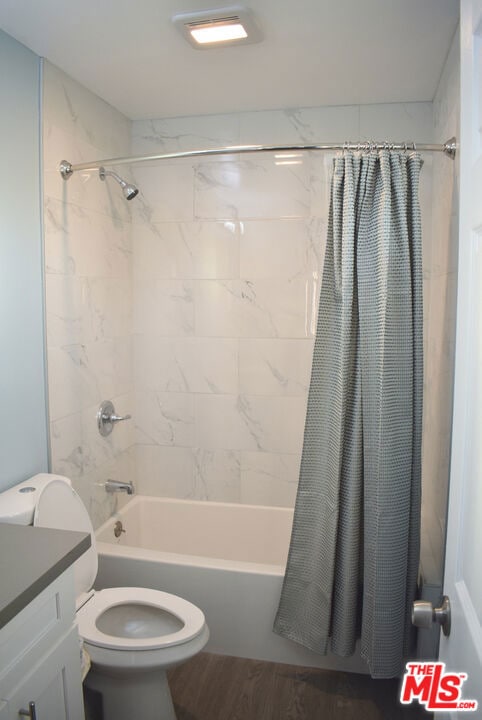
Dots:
(424, 615)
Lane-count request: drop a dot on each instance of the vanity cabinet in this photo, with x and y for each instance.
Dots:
(40, 657)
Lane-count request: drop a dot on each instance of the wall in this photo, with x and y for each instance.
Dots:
(441, 284)
(23, 415)
(227, 259)
(88, 290)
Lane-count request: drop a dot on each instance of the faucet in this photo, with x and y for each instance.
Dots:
(112, 486)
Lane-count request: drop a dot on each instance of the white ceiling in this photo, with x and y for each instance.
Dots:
(314, 52)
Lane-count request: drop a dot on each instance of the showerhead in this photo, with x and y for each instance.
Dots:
(129, 190)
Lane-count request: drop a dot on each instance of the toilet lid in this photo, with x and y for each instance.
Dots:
(190, 619)
(60, 507)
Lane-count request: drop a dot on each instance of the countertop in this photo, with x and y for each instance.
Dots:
(30, 559)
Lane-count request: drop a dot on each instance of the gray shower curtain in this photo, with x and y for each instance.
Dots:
(353, 559)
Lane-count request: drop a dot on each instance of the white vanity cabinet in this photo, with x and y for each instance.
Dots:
(40, 657)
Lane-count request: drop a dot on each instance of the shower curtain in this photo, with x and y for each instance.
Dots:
(354, 553)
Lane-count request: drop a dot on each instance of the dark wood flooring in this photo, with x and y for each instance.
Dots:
(216, 687)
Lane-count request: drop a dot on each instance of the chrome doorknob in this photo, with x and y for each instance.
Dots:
(424, 615)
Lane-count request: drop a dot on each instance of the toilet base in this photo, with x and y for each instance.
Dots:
(145, 696)
(133, 684)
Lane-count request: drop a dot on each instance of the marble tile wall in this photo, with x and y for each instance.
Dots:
(227, 256)
(441, 282)
(88, 262)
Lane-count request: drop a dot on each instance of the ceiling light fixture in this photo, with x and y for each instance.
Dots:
(218, 31)
(219, 27)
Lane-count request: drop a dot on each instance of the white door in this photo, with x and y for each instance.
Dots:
(462, 651)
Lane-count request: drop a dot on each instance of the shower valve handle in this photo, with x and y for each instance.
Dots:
(107, 418)
(118, 418)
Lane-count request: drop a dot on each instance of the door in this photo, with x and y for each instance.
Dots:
(462, 650)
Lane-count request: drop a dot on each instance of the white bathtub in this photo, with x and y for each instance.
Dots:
(226, 558)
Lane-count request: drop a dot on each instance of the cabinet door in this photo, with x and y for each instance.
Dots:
(54, 685)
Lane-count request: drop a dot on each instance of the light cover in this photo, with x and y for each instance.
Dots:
(219, 31)
(219, 27)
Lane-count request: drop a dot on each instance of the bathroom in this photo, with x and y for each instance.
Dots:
(193, 306)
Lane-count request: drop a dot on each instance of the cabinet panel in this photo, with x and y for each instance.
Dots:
(53, 684)
(35, 630)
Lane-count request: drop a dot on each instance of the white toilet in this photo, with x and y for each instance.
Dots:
(133, 635)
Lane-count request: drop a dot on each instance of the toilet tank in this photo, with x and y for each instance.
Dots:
(18, 503)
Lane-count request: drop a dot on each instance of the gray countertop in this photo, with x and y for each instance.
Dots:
(30, 559)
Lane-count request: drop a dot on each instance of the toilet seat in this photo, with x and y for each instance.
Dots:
(102, 600)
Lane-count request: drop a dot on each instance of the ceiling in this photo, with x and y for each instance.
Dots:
(314, 52)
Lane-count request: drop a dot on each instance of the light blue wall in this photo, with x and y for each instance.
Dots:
(23, 421)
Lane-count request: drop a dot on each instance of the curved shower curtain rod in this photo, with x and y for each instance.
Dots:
(449, 148)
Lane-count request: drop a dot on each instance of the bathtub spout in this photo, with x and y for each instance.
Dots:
(112, 486)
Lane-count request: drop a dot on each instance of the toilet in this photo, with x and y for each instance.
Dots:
(132, 635)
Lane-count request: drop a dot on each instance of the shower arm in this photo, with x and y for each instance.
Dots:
(449, 148)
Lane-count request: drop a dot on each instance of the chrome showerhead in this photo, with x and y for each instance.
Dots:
(129, 190)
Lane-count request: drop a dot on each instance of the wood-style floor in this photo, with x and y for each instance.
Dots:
(216, 687)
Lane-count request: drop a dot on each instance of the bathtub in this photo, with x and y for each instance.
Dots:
(227, 559)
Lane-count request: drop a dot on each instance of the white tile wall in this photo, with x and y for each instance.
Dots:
(186, 250)
(166, 193)
(299, 125)
(252, 187)
(274, 367)
(286, 248)
(255, 308)
(88, 261)
(266, 476)
(164, 306)
(165, 418)
(228, 254)
(190, 364)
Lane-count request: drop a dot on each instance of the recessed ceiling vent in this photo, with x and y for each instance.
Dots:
(217, 28)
